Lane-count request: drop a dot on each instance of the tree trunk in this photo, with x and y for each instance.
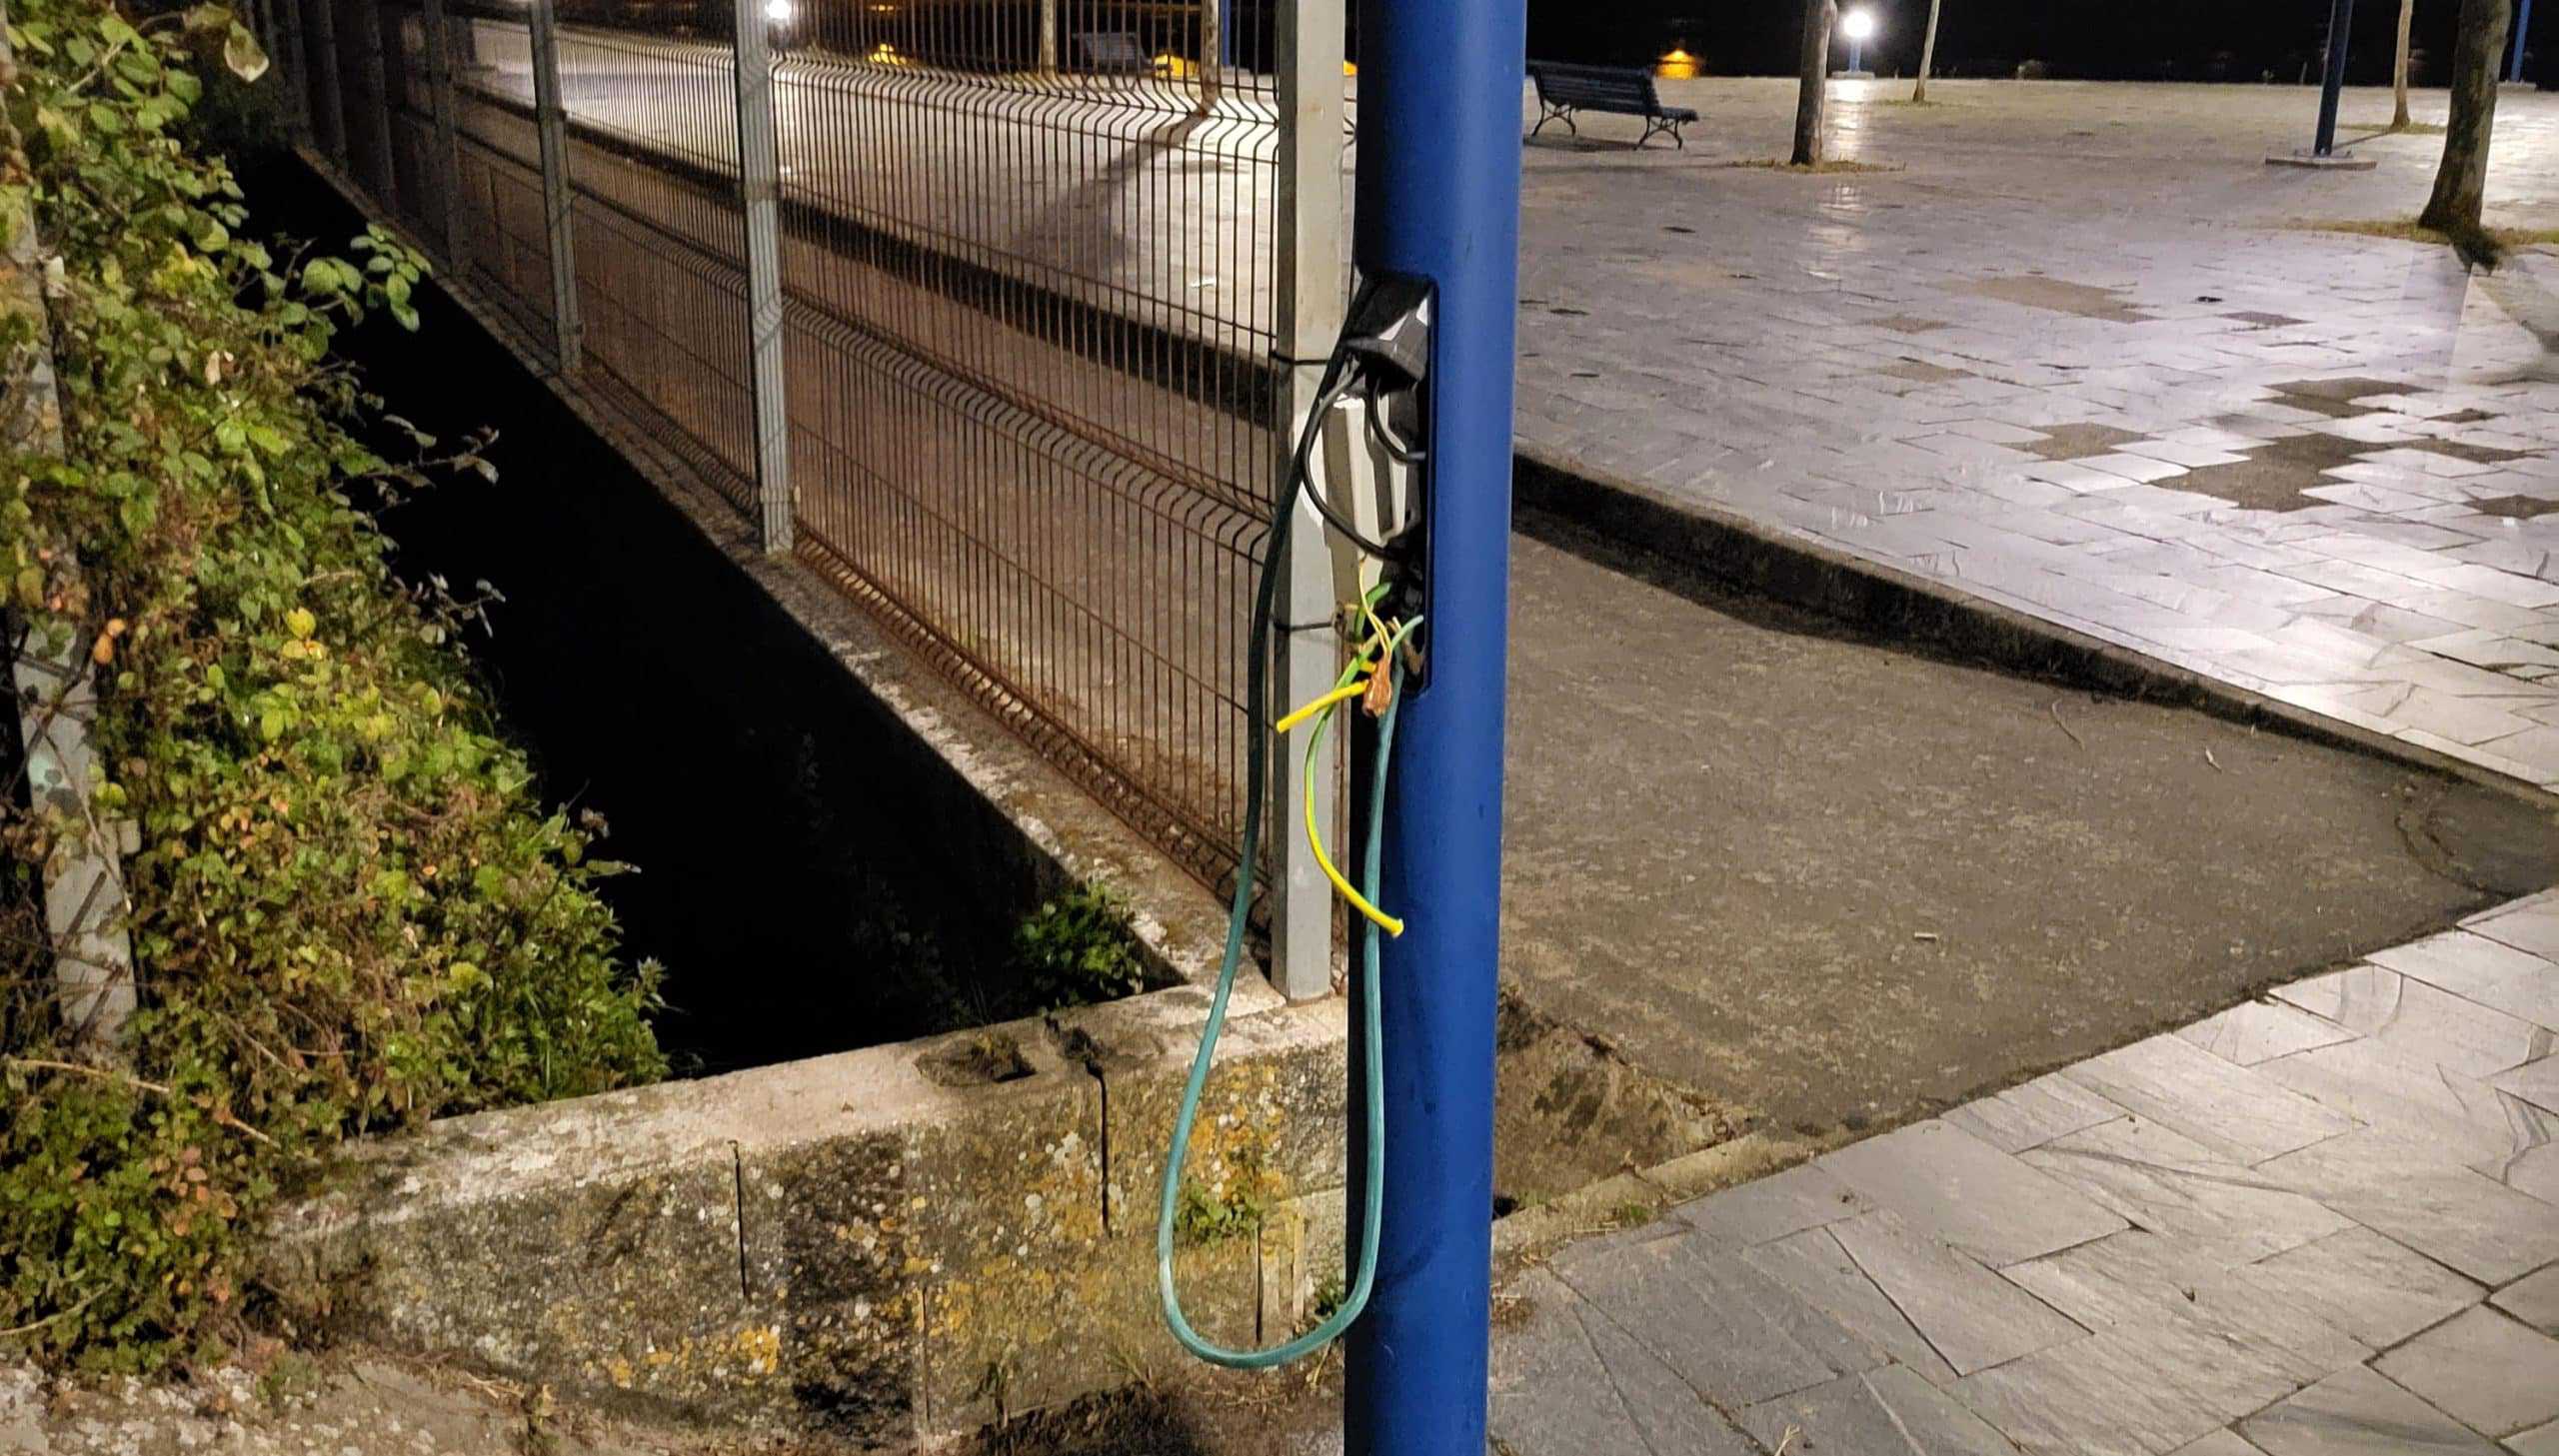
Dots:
(2462, 181)
(1819, 16)
(2399, 69)
(1928, 52)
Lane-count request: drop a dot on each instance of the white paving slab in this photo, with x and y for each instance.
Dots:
(2235, 1112)
(1944, 1181)
(2355, 1412)
(2483, 1369)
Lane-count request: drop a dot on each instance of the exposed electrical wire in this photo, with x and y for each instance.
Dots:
(1315, 745)
(1331, 390)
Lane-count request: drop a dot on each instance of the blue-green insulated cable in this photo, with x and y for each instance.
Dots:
(1374, 1071)
(1373, 1076)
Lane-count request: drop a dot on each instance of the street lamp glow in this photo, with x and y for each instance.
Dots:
(780, 12)
(1857, 24)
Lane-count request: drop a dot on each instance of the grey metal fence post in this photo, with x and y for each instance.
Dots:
(372, 76)
(293, 68)
(552, 126)
(446, 160)
(760, 197)
(1047, 37)
(55, 685)
(328, 102)
(1213, 54)
(1308, 292)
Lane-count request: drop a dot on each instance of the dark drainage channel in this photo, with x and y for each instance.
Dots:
(733, 763)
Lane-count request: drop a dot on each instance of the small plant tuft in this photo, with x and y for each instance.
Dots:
(1079, 949)
(1204, 1216)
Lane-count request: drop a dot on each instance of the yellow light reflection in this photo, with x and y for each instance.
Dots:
(1678, 65)
(1175, 67)
(885, 54)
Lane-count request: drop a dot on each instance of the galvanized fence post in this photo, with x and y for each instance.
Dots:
(293, 68)
(1212, 53)
(328, 103)
(551, 124)
(759, 198)
(445, 158)
(54, 683)
(1308, 292)
(373, 75)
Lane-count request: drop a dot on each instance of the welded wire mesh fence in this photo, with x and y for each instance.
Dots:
(1026, 265)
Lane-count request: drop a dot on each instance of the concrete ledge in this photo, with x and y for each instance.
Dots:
(844, 1244)
(1889, 601)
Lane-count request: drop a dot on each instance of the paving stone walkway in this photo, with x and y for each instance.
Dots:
(2075, 353)
(2322, 1222)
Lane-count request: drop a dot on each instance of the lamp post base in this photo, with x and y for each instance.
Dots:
(2333, 162)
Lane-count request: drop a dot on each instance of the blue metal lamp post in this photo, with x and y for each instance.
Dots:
(2523, 27)
(1438, 199)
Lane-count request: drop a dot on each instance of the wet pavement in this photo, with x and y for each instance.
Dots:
(1838, 883)
(2317, 1223)
(2074, 354)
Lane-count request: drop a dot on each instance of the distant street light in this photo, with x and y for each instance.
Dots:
(781, 12)
(1857, 25)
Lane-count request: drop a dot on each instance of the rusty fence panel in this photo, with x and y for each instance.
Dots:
(1032, 329)
(1030, 257)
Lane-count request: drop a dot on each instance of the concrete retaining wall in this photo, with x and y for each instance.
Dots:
(850, 1244)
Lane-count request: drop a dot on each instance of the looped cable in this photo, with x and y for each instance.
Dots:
(1355, 1301)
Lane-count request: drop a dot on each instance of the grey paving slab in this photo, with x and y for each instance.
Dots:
(2370, 1287)
(2543, 1441)
(1969, 1315)
(2219, 1443)
(2143, 1389)
(2458, 1119)
(2451, 1214)
(1887, 1412)
(2233, 1111)
(2534, 1299)
(2530, 923)
(1737, 1336)
(2139, 1280)
(2359, 1413)
(2034, 1113)
(1815, 1267)
(2531, 1166)
(1568, 1380)
(1804, 1196)
(2259, 1030)
(2482, 968)
(1945, 1182)
(2483, 1369)
(2155, 1178)
(2536, 1082)
(2421, 1020)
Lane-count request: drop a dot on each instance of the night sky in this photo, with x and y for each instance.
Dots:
(2195, 40)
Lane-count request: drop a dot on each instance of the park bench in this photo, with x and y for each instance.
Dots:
(1112, 53)
(1624, 90)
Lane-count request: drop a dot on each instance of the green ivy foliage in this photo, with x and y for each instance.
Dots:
(1079, 949)
(349, 910)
